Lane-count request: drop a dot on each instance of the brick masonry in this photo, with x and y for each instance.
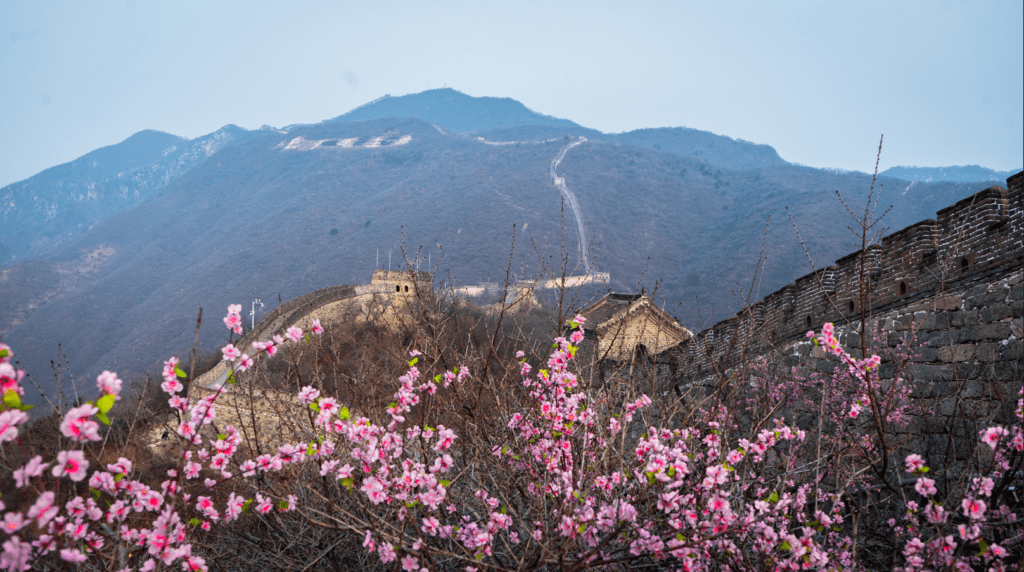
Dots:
(956, 282)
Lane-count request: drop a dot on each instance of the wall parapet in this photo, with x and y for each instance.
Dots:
(980, 238)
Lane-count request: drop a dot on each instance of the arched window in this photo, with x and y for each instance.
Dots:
(903, 288)
(398, 288)
(406, 287)
(965, 264)
(851, 306)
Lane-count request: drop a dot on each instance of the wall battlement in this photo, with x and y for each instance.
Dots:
(980, 238)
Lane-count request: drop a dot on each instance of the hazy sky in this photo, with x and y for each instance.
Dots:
(819, 81)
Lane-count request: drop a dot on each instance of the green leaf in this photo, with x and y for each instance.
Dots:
(311, 448)
(504, 509)
(283, 505)
(650, 478)
(11, 399)
(346, 482)
(680, 537)
(221, 436)
(193, 522)
(437, 378)
(982, 546)
(671, 470)
(581, 528)
(314, 406)
(245, 506)
(105, 403)
(344, 414)
(774, 498)
(179, 373)
(414, 361)
(118, 477)
(95, 493)
(307, 336)
(445, 483)
(785, 545)
(231, 378)
(103, 418)
(4, 353)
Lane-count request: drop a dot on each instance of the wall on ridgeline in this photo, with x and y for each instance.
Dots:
(957, 281)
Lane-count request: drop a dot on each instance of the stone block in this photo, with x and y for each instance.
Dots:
(926, 354)
(995, 313)
(996, 297)
(1014, 351)
(1017, 328)
(963, 318)
(818, 352)
(903, 322)
(928, 322)
(940, 338)
(988, 351)
(994, 331)
(1017, 309)
(956, 353)
(943, 388)
(1017, 292)
(929, 372)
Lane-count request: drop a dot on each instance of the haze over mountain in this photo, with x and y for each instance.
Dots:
(113, 254)
(964, 174)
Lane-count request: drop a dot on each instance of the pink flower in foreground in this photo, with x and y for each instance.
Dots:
(925, 487)
(317, 328)
(9, 421)
(72, 464)
(991, 436)
(108, 382)
(233, 322)
(914, 462)
(244, 363)
(77, 425)
(230, 352)
(308, 395)
(294, 334)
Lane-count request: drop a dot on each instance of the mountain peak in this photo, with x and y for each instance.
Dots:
(455, 111)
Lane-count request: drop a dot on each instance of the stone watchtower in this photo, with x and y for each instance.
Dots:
(404, 281)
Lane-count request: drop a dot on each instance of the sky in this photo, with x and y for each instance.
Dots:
(943, 80)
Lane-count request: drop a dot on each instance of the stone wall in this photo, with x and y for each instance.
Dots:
(958, 278)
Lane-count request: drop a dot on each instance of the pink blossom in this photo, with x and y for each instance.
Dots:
(973, 509)
(914, 462)
(108, 382)
(244, 363)
(308, 394)
(32, 469)
(230, 352)
(77, 425)
(317, 328)
(72, 464)
(991, 436)
(925, 487)
(294, 334)
(9, 422)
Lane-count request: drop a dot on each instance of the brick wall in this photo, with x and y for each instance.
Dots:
(968, 248)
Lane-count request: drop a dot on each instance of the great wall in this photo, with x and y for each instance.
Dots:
(957, 281)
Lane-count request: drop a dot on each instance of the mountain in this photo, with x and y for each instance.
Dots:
(64, 201)
(274, 214)
(962, 174)
(455, 111)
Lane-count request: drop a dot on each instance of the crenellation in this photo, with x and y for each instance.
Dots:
(956, 282)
